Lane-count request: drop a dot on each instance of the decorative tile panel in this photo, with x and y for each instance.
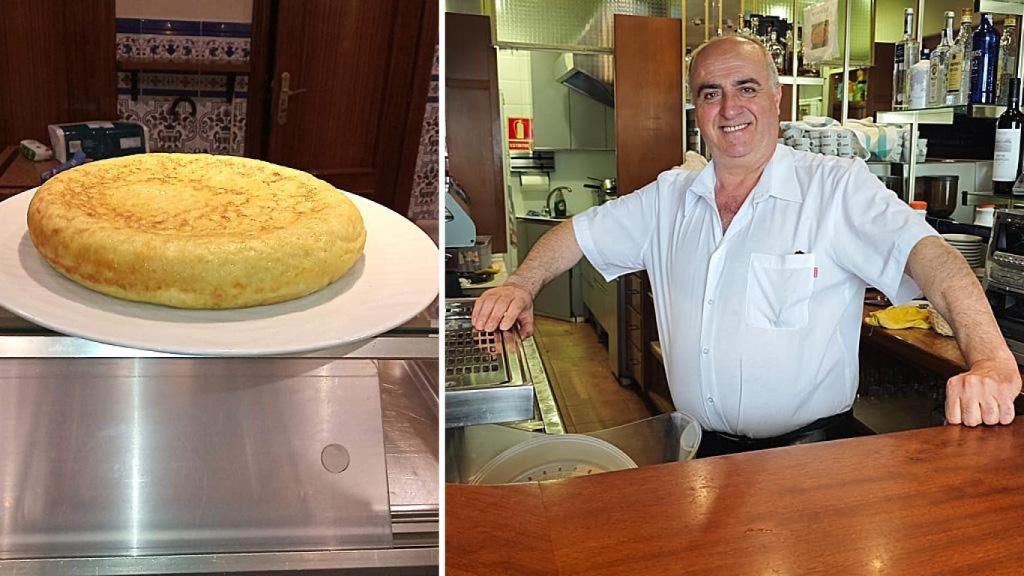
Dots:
(216, 126)
(423, 203)
(167, 99)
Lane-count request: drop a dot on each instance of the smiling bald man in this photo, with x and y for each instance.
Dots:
(758, 264)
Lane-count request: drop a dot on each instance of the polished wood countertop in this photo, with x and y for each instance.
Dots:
(943, 500)
(923, 347)
(18, 174)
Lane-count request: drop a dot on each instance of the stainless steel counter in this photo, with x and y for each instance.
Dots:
(119, 461)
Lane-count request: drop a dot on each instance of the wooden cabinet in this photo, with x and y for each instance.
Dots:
(632, 327)
(643, 357)
(562, 118)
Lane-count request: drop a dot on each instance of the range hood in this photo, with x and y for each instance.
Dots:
(588, 74)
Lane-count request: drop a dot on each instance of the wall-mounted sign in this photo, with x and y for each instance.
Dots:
(821, 32)
(520, 133)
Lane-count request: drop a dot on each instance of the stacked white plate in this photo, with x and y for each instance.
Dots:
(972, 247)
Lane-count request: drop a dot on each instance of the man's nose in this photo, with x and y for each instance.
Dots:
(730, 106)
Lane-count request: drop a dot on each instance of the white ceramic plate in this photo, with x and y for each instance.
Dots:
(394, 280)
(962, 238)
(552, 458)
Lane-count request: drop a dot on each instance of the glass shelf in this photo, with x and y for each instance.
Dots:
(802, 80)
(1000, 200)
(943, 115)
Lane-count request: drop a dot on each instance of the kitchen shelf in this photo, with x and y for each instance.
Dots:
(230, 69)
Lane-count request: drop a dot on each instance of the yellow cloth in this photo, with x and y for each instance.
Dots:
(895, 317)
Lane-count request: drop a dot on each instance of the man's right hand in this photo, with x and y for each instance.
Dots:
(502, 307)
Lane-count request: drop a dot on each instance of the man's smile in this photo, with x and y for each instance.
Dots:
(735, 128)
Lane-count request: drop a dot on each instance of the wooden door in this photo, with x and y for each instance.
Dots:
(358, 72)
(474, 130)
(57, 64)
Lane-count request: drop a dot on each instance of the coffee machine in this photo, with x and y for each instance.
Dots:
(1004, 276)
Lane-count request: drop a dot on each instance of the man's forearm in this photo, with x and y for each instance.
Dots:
(951, 287)
(555, 252)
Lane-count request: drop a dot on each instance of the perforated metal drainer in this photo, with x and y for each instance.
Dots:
(474, 356)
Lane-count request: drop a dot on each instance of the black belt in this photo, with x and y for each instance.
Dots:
(842, 425)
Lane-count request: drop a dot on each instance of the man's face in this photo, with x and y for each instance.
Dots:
(737, 108)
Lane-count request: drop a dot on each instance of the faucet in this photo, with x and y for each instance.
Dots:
(558, 208)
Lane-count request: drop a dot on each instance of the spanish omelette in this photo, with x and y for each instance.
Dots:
(195, 230)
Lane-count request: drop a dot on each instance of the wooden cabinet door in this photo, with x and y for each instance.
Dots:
(474, 130)
(649, 140)
(648, 98)
(357, 78)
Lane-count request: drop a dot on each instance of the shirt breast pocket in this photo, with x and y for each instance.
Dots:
(779, 289)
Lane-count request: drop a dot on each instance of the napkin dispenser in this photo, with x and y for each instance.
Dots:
(98, 140)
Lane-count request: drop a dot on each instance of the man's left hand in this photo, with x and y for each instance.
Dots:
(983, 394)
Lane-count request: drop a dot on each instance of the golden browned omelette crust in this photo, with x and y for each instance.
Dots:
(195, 230)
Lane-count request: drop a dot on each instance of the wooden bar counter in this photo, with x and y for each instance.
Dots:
(945, 500)
(941, 500)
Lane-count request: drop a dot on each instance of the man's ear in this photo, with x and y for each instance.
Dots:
(778, 96)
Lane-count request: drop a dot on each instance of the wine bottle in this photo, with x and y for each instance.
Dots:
(1006, 162)
(985, 45)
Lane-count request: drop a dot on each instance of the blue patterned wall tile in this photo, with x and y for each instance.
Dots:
(129, 26)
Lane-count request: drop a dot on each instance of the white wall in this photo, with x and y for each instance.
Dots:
(571, 167)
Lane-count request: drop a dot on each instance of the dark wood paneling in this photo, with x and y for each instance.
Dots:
(57, 64)
(357, 63)
(474, 132)
(427, 43)
(261, 62)
(648, 99)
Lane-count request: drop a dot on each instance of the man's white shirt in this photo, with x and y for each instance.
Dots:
(760, 328)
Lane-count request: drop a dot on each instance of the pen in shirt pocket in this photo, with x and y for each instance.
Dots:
(800, 252)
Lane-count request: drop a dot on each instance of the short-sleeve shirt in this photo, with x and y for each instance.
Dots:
(760, 327)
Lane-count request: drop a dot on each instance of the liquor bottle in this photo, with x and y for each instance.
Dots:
(958, 87)
(985, 45)
(1007, 67)
(919, 82)
(1006, 162)
(907, 51)
(741, 26)
(775, 50)
(939, 67)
